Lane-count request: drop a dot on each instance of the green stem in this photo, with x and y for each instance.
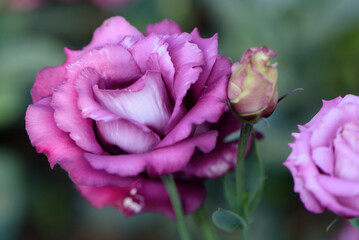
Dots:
(242, 146)
(170, 184)
(202, 221)
(245, 233)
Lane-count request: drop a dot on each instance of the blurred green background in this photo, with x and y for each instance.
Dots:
(317, 43)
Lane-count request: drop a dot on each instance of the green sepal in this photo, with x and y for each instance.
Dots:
(355, 222)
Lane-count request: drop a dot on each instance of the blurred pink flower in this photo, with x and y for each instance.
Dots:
(129, 107)
(324, 160)
(23, 5)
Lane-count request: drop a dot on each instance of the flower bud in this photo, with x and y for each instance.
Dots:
(252, 88)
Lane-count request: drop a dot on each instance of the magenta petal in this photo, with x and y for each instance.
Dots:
(209, 48)
(215, 163)
(144, 51)
(188, 60)
(111, 62)
(166, 27)
(60, 149)
(209, 108)
(144, 196)
(90, 108)
(112, 31)
(127, 136)
(146, 101)
(68, 118)
(160, 161)
(46, 80)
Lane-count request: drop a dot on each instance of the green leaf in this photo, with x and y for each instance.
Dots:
(229, 186)
(228, 220)
(355, 222)
(254, 180)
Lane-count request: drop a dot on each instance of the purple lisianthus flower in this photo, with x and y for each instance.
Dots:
(324, 160)
(129, 107)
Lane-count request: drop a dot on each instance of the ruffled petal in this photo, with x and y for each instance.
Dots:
(68, 118)
(208, 108)
(114, 64)
(145, 196)
(215, 163)
(89, 107)
(339, 187)
(146, 101)
(329, 123)
(60, 148)
(188, 60)
(223, 158)
(166, 27)
(46, 80)
(127, 136)
(112, 31)
(151, 53)
(160, 161)
(209, 48)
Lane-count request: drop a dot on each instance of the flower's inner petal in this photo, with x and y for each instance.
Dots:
(145, 102)
(151, 53)
(346, 164)
(127, 136)
(209, 48)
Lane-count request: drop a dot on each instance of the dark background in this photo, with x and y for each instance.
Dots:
(317, 43)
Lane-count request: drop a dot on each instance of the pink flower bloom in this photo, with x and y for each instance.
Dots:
(129, 107)
(324, 159)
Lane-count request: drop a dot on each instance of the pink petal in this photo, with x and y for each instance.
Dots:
(346, 164)
(188, 60)
(60, 148)
(209, 108)
(223, 158)
(306, 176)
(89, 107)
(215, 163)
(46, 80)
(166, 27)
(151, 53)
(324, 159)
(146, 101)
(114, 64)
(160, 161)
(209, 48)
(68, 118)
(127, 136)
(144, 196)
(327, 106)
(112, 31)
(339, 187)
